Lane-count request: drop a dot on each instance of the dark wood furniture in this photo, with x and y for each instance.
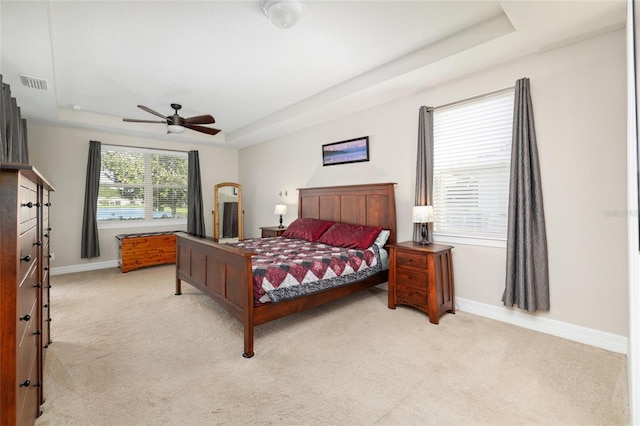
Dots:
(24, 291)
(422, 277)
(272, 231)
(224, 272)
(150, 249)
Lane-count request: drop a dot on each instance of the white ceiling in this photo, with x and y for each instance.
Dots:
(226, 59)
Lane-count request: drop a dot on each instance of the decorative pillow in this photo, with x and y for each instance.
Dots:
(350, 236)
(306, 228)
(383, 236)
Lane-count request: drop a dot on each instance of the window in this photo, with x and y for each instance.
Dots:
(142, 184)
(472, 156)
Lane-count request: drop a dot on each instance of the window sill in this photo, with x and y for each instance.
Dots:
(472, 241)
(141, 224)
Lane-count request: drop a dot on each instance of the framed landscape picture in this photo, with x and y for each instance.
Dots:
(349, 151)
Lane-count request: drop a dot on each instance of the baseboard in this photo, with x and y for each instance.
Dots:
(589, 336)
(84, 267)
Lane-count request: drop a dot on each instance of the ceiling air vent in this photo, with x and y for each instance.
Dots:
(34, 83)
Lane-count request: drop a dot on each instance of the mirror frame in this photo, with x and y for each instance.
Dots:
(216, 219)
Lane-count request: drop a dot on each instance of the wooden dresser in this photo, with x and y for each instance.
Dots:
(422, 277)
(24, 291)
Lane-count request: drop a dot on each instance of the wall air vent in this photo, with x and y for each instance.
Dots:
(34, 83)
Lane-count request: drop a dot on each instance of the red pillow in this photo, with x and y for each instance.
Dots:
(350, 236)
(306, 228)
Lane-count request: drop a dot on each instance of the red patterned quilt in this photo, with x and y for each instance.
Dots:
(285, 268)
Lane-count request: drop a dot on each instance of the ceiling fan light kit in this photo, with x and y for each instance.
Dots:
(177, 124)
(175, 128)
(283, 13)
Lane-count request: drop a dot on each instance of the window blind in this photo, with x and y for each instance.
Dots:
(472, 155)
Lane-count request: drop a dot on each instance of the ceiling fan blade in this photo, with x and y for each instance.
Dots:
(133, 120)
(200, 119)
(202, 129)
(150, 111)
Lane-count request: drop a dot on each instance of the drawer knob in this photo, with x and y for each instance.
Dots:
(46, 305)
(46, 268)
(48, 204)
(37, 243)
(38, 285)
(25, 318)
(46, 235)
(29, 204)
(37, 332)
(26, 258)
(25, 384)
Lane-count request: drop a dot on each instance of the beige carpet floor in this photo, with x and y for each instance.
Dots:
(127, 351)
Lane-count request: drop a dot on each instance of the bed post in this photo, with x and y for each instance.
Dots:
(178, 282)
(248, 312)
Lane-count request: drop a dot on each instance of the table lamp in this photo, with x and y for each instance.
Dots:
(280, 209)
(423, 215)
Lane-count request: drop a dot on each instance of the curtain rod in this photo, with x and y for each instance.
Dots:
(504, 89)
(143, 147)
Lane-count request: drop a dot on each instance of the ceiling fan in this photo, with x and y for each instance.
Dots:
(177, 124)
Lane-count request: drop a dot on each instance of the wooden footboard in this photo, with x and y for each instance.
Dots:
(222, 272)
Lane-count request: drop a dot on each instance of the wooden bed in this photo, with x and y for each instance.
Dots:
(224, 272)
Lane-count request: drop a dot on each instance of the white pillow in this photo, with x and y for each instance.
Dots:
(383, 236)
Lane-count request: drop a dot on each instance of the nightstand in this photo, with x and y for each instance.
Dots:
(272, 231)
(422, 277)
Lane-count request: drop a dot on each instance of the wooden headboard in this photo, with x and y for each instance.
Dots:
(370, 204)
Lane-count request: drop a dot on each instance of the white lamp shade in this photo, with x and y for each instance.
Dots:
(280, 209)
(422, 214)
(283, 13)
(174, 128)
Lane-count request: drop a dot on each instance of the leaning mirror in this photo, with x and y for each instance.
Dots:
(227, 216)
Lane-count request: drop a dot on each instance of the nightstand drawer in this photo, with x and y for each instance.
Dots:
(411, 278)
(411, 295)
(272, 231)
(413, 260)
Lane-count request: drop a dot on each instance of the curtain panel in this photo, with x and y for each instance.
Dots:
(195, 215)
(13, 140)
(3, 123)
(424, 168)
(90, 245)
(527, 277)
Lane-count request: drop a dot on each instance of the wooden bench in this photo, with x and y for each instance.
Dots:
(148, 249)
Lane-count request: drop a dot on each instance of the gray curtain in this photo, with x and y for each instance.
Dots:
(527, 280)
(3, 122)
(424, 168)
(13, 129)
(195, 218)
(90, 246)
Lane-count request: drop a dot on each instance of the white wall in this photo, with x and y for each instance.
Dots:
(579, 99)
(60, 154)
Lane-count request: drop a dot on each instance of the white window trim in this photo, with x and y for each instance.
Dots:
(471, 241)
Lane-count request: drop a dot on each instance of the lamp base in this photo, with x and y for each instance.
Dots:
(424, 242)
